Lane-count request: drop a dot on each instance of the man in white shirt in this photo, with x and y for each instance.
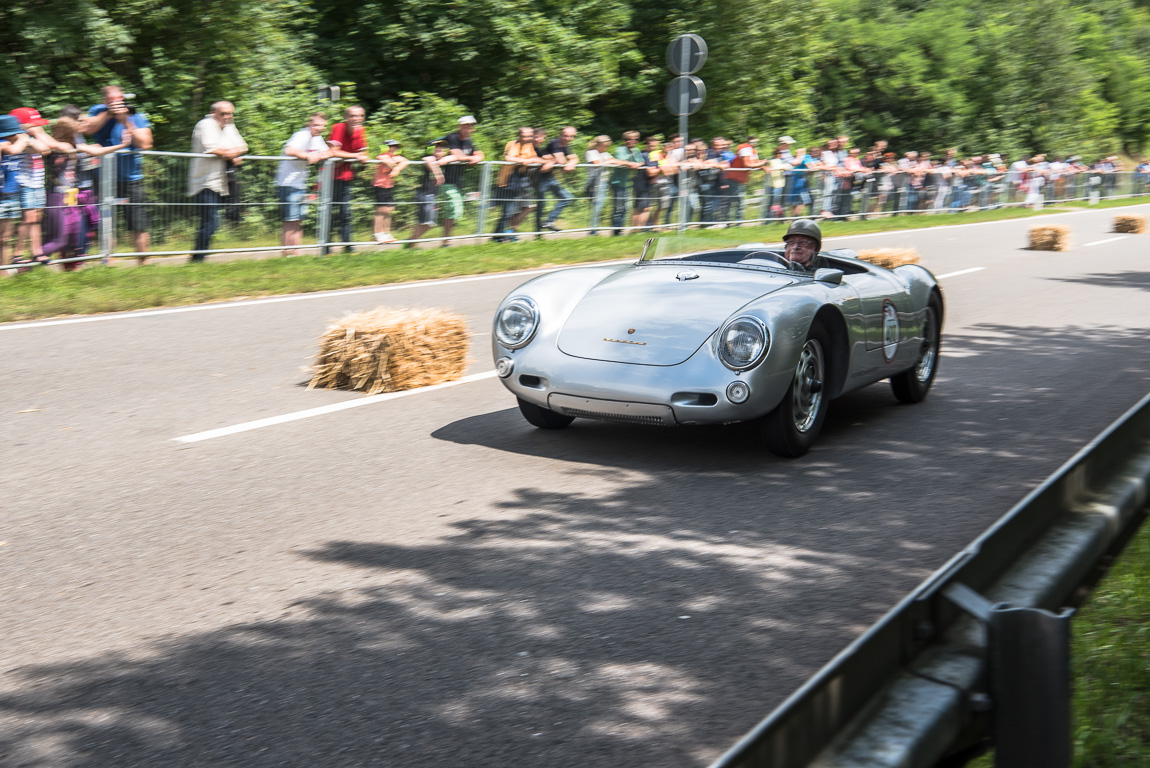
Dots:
(215, 135)
(306, 147)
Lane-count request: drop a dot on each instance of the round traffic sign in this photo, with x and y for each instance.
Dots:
(686, 54)
(685, 95)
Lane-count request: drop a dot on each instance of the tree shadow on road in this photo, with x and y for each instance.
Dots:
(651, 623)
(1139, 280)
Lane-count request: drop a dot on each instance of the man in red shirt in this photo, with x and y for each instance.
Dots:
(347, 140)
(745, 157)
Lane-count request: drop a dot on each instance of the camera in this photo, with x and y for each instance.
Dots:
(129, 102)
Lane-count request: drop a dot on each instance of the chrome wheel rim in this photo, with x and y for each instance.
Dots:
(929, 353)
(807, 391)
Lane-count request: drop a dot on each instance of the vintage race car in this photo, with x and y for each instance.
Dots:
(698, 334)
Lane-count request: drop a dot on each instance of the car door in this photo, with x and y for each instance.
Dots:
(886, 310)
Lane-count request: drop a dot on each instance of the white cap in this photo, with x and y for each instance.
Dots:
(468, 120)
(786, 140)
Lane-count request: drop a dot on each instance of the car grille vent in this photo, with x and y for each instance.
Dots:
(654, 421)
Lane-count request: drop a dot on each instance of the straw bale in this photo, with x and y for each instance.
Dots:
(388, 350)
(890, 257)
(1054, 237)
(1135, 225)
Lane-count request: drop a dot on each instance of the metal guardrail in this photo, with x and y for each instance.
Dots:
(930, 680)
(251, 214)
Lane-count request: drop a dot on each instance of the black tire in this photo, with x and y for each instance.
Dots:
(791, 429)
(541, 417)
(913, 385)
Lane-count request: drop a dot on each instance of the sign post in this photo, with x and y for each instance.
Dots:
(686, 55)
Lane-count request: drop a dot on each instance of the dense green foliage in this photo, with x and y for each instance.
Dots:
(1041, 75)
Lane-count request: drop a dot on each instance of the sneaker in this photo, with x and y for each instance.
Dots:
(379, 237)
(509, 236)
(384, 237)
(553, 226)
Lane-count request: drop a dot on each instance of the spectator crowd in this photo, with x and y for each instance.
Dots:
(49, 179)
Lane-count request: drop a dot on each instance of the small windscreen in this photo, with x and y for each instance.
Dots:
(707, 247)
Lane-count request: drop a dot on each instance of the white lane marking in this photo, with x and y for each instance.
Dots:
(959, 272)
(247, 426)
(1107, 240)
(449, 280)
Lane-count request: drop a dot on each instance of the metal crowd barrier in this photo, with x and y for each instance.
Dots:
(979, 652)
(600, 200)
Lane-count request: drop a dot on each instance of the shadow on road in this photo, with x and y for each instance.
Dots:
(1120, 280)
(650, 624)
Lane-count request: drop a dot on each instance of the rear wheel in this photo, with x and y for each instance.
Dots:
(541, 417)
(912, 386)
(790, 430)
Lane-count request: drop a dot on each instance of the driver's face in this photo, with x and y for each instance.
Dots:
(800, 249)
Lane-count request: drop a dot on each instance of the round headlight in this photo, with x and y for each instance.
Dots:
(515, 323)
(743, 342)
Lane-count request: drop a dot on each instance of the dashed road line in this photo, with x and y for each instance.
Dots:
(1107, 240)
(959, 272)
(248, 426)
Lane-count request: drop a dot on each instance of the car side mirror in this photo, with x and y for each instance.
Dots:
(829, 276)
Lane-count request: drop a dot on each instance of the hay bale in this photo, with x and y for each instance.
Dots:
(388, 350)
(890, 257)
(1134, 225)
(1053, 237)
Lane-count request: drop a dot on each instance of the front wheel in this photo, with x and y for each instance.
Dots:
(912, 386)
(541, 417)
(790, 430)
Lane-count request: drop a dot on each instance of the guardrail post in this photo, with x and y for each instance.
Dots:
(768, 188)
(106, 194)
(484, 199)
(1029, 669)
(600, 196)
(326, 181)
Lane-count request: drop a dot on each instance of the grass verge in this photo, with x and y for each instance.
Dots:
(42, 293)
(1110, 653)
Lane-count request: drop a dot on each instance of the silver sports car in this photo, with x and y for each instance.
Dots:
(694, 334)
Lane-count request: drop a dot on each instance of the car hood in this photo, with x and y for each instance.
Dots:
(648, 316)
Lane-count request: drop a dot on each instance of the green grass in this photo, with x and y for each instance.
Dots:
(43, 293)
(1110, 653)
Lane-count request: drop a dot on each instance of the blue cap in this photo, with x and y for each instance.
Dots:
(9, 126)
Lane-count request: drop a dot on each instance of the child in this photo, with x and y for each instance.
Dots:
(30, 177)
(66, 225)
(13, 142)
(390, 164)
(427, 212)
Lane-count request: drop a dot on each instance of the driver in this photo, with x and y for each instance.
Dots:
(803, 241)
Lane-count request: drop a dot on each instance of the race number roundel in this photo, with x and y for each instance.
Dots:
(891, 333)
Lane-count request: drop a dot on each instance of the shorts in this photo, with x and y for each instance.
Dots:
(454, 201)
(516, 196)
(292, 205)
(384, 195)
(426, 210)
(10, 205)
(643, 201)
(32, 198)
(136, 211)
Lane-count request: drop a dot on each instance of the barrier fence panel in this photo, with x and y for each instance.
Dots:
(344, 203)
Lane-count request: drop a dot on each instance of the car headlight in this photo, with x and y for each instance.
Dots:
(743, 342)
(515, 322)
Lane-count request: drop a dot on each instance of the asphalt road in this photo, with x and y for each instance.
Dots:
(430, 581)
